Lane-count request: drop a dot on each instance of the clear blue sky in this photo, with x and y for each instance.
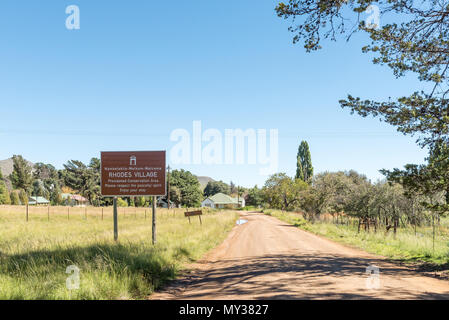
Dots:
(136, 70)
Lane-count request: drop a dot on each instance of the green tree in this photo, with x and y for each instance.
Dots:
(84, 179)
(23, 196)
(121, 202)
(4, 193)
(175, 195)
(188, 186)
(39, 188)
(74, 174)
(214, 187)
(427, 179)
(44, 171)
(21, 177)
(282, 192)
(15, 198)
(333, 190)
(254, 197)
(140, 202)
(56, 197)
(418, 44)
(304, 168)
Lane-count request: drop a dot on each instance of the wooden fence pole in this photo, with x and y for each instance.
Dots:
(115, 220)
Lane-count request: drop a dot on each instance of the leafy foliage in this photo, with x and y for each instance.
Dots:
(283, 192)
(214, 187)
(304, 168)
(84, 179)
(21, 177)
(419, 44)
(189, 188)
(14, 195)
(254, 197)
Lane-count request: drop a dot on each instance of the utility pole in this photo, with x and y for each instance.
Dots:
(238, 197)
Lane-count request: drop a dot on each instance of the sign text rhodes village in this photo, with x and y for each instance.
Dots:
(133, 173)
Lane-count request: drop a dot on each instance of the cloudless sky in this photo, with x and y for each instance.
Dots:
(137, 70)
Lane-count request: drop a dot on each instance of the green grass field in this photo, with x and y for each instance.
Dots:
(34, 255)
(406, 247)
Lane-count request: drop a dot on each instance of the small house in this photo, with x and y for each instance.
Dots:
(163, 203)
(74, 199)
(38, 201)
(221, 200)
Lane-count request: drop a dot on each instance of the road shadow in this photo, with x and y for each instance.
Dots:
(283, 276)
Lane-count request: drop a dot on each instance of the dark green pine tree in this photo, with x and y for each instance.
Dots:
(21, 177)
(304, 168)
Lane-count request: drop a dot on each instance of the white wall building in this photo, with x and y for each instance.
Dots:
(221, 200)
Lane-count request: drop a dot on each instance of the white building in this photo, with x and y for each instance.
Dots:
(221, 200)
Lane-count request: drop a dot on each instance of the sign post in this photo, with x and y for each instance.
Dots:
(198, 213)
(115, 219)
(133, 174)
(153, 226)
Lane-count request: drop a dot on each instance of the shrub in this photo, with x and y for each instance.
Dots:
(122, 203)
(15, 198)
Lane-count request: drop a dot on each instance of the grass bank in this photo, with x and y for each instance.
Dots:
(406, 246)
(34, 255)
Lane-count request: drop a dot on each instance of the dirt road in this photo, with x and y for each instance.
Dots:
(269, 259)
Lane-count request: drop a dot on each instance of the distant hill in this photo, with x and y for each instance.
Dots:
(204, 180)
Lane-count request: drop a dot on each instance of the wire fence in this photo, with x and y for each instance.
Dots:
(33, 212)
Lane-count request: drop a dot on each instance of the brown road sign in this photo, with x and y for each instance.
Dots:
(193, 213)
(189, 214)
(133, 173)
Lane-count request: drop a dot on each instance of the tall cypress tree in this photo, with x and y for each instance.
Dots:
(304, 168)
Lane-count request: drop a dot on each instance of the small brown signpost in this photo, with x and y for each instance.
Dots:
(133, 173)
(194, 213)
